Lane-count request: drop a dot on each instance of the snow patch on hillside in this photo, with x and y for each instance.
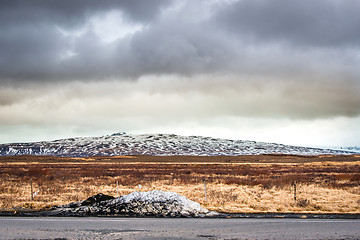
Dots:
(352, 149)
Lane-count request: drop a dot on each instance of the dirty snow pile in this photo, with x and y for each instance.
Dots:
(153, 203)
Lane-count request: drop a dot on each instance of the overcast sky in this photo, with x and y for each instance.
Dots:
(268, 70)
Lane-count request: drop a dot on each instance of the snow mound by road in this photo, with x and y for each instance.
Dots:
(153, 203)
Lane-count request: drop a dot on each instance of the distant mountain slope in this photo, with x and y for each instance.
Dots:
(155, 144)
(352, 149)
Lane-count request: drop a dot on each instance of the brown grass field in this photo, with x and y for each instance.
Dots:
(265, 183)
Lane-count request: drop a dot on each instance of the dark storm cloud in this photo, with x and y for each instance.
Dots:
(247, 37)
(186, 49)
(31, 52)
(322, 23)
(69, 13)
(31, 45)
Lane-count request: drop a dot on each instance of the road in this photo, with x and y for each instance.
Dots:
(176, 228)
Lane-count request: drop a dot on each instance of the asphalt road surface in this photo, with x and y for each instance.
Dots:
(176, 228)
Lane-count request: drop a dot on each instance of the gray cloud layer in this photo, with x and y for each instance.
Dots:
(255, 37)
(73, 13)
(200, 60)
(32, 45)
(321, 23)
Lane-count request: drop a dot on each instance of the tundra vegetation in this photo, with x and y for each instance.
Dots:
(264, 183)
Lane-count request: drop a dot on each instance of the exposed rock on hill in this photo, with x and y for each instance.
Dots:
(153, 203)
(155, 144)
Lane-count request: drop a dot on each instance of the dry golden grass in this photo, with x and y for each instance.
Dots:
(325, 184)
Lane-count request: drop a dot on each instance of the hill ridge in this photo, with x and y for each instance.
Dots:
(155, 144)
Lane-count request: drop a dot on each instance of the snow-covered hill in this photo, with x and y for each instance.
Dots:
(352, 149)
(155, 144)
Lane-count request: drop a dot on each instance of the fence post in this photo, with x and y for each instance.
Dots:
(205, 191)
(295, 191)
(31, 191)
(117, 188)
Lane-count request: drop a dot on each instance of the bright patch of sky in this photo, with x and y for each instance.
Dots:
(112, 26)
